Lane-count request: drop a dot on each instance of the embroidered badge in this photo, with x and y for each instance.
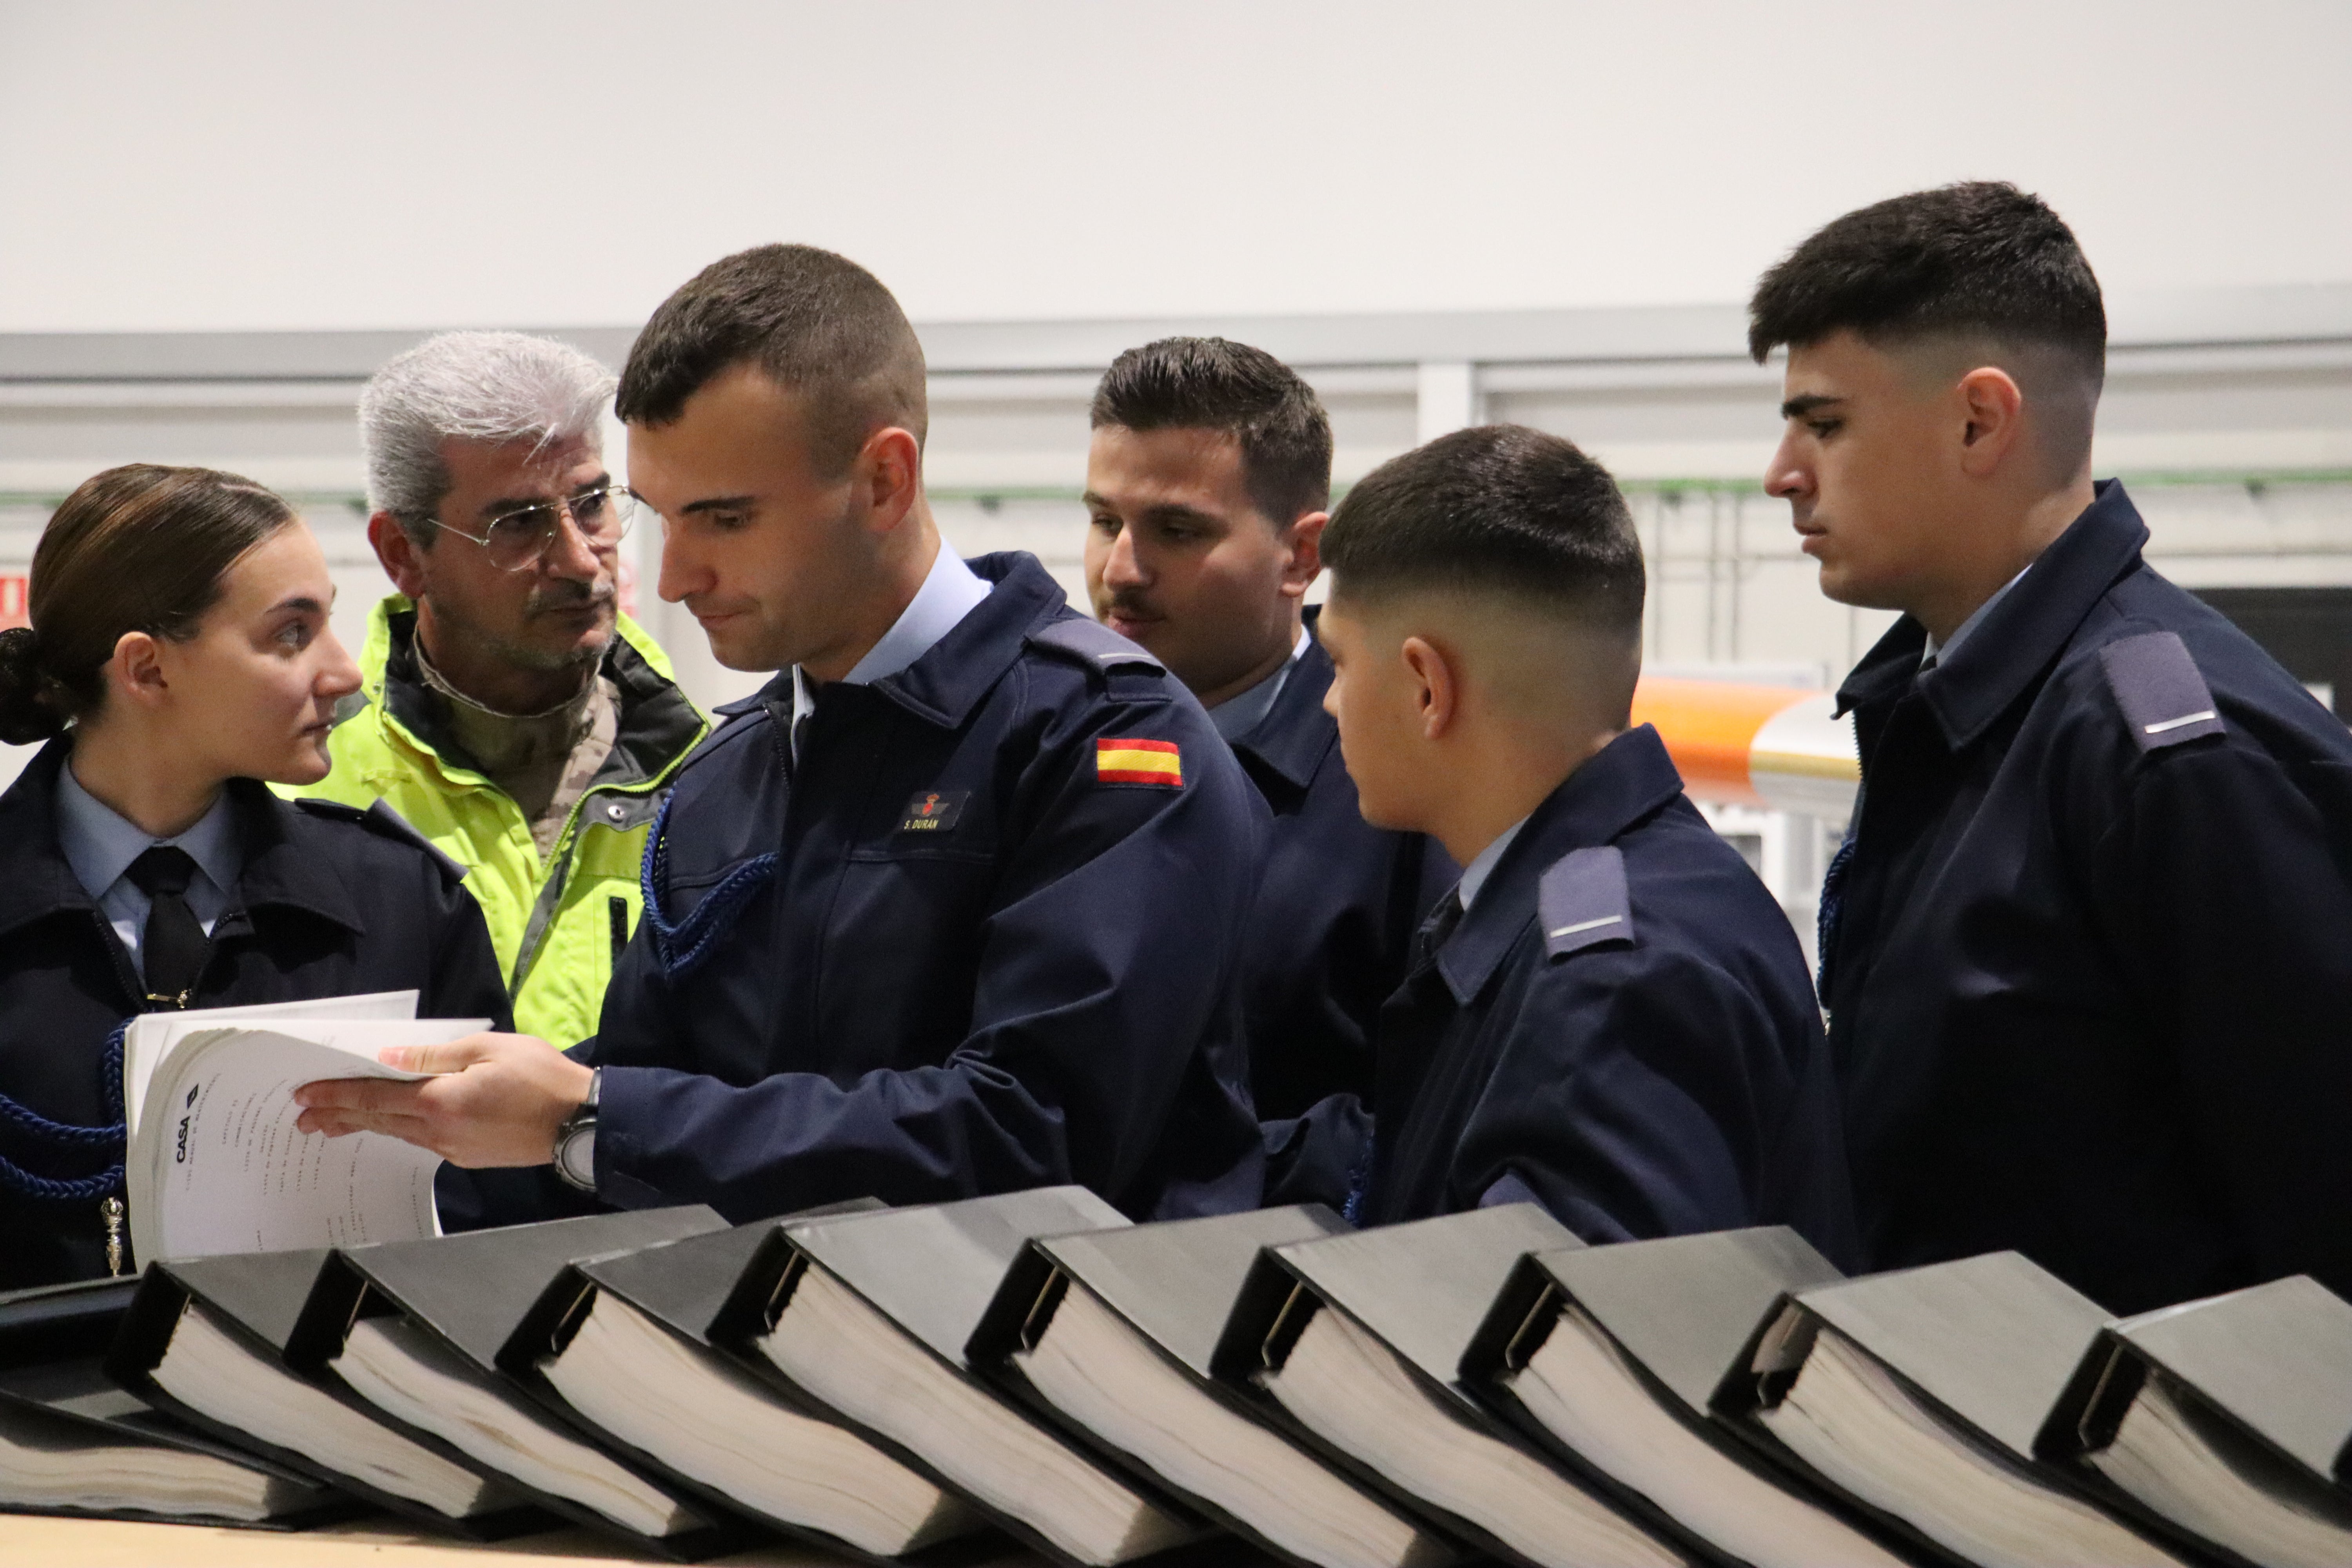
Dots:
(1140, 761)
(933, 811)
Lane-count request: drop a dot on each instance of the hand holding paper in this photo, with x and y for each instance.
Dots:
(495, 1099)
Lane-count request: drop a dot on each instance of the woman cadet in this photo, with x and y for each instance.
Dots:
(178, 662)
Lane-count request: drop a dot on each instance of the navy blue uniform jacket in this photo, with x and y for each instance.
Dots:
(944, 955)
(1620, 1029)
(1337, 904)
(333, 903)
(2089, 967)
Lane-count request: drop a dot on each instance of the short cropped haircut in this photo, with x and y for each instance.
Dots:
(1497, 509)
(1211, 384)
(1977, 259)
(815, 323)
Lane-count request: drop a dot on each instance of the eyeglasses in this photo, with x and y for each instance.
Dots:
(518, 540)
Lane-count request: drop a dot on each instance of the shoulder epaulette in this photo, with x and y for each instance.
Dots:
(2163, 695)
(1091, 642)
(382, 820)
(1582, 901)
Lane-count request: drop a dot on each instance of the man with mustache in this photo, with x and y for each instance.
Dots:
(1208, 481)
(509, 710)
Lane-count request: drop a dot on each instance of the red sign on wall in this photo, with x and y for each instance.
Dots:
(12, 602)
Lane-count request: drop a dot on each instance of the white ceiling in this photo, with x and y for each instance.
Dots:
(277, 164)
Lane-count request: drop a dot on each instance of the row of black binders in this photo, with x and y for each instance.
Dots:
(934, 1385)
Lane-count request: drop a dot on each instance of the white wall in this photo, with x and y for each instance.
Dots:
(255, 163)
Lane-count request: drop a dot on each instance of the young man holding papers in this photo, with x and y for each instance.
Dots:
(949, 907)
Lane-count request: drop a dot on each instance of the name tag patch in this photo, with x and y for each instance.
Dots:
(1140, 761)
(933, 811)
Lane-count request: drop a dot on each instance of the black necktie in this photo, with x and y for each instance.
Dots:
(1438, 927)
(172, 947)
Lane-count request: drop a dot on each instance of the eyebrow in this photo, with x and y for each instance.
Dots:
(302, 603)
(718, 503)
(1798, 407)
(496, 509)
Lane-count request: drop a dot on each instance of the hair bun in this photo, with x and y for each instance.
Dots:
(25, 718)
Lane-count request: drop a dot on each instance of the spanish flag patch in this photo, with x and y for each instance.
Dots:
(1140, 761)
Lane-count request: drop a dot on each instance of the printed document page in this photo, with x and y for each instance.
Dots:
(218, 1165)
(152, 1036)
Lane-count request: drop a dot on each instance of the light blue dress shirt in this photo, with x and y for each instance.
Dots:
(1940, 651)
(1481, 864)
(100, 842)
(950, 590)
(1237, 715)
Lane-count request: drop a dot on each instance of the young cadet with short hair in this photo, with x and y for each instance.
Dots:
(179, 660)
(1610, 1016)
(508, 708)
(1206, 483)
(2087, 953)
(950, 906)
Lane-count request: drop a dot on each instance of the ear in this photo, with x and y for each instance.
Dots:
(1995, 408)
(135, 674)
(889, 474)
(401, 557)
(1304, 563)
(1437, 682)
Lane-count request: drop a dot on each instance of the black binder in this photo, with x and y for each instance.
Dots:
(1988, 1344)
(2273, 1362)
(259, 1297)
(682, 1285)
(1424, 1288)
(1685, 1311)
(933, 1271)
(53, 1343)
(469, 1292)
(1174, 1283)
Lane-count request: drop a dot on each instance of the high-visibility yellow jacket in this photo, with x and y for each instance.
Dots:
(558, 923)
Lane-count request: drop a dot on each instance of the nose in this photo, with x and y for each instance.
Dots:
(1787, 477)
(339, 676)
(569, 554)
(1122, 568)
(681, 574)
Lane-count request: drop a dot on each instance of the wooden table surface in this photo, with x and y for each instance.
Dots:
(30, 1541)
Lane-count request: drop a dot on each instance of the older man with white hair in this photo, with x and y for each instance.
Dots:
(509, 710)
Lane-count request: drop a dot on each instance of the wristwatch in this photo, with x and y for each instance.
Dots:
(575, 1138)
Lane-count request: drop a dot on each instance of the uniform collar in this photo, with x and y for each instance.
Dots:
(947, 682)
(950, 590)
(1620, 785)
(1296, 735)
(1239, 714)
(284, 865)
(40, 880)
(2021, 632)
(287, 864)
(99, 843)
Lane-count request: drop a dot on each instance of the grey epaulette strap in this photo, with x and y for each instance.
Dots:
(1091, 642)
(1582, 903)
(383, 820)
(2164, 699)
